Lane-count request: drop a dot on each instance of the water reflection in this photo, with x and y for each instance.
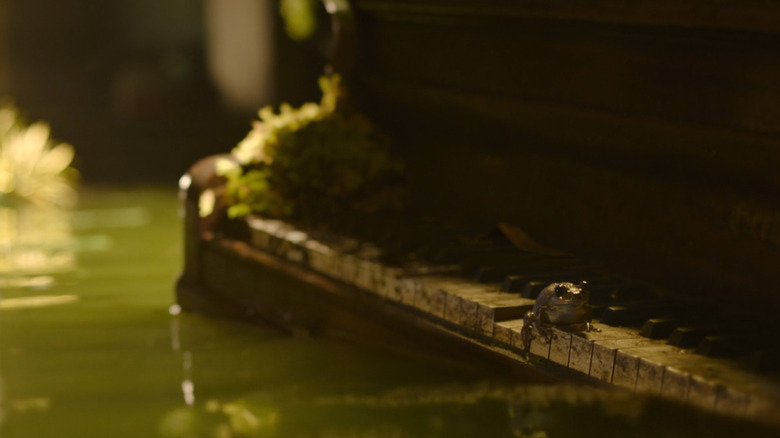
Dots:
(120, 361)
(294, 395)
(36, 243)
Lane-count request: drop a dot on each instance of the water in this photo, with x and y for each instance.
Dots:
(89, 348)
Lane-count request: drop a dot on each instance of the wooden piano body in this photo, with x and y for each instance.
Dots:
(644, 139)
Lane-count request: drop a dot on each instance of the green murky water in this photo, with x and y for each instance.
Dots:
(89, 348)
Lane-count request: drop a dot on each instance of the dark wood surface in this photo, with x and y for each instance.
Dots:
(642, 136)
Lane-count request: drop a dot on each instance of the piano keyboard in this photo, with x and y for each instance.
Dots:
(645, 342)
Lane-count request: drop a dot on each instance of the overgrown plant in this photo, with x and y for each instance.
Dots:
(319, 155)
(33, 167)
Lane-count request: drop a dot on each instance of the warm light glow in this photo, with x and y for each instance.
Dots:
(36, 301)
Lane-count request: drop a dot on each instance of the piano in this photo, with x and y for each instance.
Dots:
(639, 145)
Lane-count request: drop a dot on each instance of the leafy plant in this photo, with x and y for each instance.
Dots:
(323, 154)
(33, 168)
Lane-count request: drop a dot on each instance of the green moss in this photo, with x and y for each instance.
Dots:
(323, 154)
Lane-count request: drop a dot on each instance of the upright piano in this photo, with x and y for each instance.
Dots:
(639, 146)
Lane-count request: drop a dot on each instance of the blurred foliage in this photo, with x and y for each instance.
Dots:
(318, 155)
(33, 168)
(300, 18)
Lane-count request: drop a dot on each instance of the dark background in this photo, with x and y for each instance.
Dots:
(126, 82)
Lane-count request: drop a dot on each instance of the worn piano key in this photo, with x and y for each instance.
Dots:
(390, 286)
(659, 328)
(560, 347)
(634, 313)
(502, 331)
(533, 288)
(676, 382)
(347, 268)
(320, 256)
(539, 345)
(500, 307)
(628, 364)
(513, 283)
(425, 298)
(765, 360)
(604, 360)
(582, 345)
(688, 337)
(632, 291)
(486, 272)
(731, 401)
(722, 346)
(479, 306)
(369, 275)
(686, 377)
(454, 311)
(524, 264)
(408, 289)
(512, 262)
(435, 289)
(469, 253)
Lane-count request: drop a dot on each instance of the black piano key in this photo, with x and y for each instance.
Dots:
(659, 328)
(632, 292)
(532, 288)
(632, 314)
(722, 346)
(765, 361)
(688, 337)
(530, 285)
(495, 273)
(513, 283)
(515, 264)
(459, 253)
(490, 274)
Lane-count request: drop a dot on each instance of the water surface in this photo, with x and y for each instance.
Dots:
(89, 347)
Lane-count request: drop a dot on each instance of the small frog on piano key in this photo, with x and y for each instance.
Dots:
(562, 305)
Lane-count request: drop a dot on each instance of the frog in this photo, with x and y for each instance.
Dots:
(564, 305)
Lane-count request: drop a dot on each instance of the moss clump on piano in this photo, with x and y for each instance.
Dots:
(324, 154)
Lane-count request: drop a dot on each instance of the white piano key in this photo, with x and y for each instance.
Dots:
(650, 376)
(347, 268)
(582, 345)
(703, 392)
(365, 277)
(539, 345)
(731, 401)
(516, 340)
(454, 311)
(560, 347)
(689, 377)
(502, 331)
(409, 288)
(625, 372)
(500, 307)
(390, 287)
(676, 383)
(628, 371)
(261, 240)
